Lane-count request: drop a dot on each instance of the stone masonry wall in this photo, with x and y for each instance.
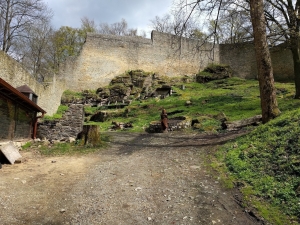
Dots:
(68, 126)
(282, 61)
(7, 124)
(241, 58)
(105, 56)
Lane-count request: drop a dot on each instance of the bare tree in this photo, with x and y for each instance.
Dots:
(34, 47)
(213, 11)
(233, 26)
(268, 100)
(119, 28)
(163, 24)
(88, 25)
(283, 18)
(177, 24)
(15, 16)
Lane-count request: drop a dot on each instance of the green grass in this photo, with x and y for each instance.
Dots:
(69, 95)
(26, 145)
(236, 98)
(62, 148)
(267, 161)
(90, 110)
(58, 115)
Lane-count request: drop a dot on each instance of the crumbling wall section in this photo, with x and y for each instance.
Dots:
(67, 127)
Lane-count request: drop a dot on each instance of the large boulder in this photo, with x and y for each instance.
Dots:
(118, 92)
(214, 72)
(99, 116)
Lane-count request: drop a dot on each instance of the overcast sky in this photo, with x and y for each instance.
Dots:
(137, 13)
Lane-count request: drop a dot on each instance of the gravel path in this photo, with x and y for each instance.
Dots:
(138, 179)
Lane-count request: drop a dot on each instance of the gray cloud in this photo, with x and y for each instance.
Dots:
(137, 13)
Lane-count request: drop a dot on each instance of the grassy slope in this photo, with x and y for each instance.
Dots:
(236, 98)
(267, 161)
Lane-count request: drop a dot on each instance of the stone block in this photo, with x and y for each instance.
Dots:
(11, 152)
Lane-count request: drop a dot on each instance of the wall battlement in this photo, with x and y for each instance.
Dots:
(115, 38)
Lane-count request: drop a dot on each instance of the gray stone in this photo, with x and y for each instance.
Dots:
(10, 152)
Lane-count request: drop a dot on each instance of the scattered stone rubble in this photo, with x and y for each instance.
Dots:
(177, 123)
(123, 89)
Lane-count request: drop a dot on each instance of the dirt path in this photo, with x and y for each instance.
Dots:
(139, 179)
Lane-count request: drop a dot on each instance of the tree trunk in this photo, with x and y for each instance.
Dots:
(90, 136)
(236, 125)
(268, 99)
(296, 60)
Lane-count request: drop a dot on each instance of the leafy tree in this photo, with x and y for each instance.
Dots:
(66, 41)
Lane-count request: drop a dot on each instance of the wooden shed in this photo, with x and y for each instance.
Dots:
(18, 113)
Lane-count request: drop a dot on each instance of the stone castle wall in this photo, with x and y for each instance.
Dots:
(282, 61)
(49, 94)
(105, 56)
(241, 58)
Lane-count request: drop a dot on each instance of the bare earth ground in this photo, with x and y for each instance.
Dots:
(138, 179)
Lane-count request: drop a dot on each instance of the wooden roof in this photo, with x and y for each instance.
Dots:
(25, 89)
(13, 94)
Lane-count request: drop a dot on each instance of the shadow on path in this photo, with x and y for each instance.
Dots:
(127, 143)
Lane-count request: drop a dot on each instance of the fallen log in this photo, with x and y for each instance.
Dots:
(236, 125)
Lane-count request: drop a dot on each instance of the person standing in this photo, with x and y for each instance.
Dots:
(164, 120)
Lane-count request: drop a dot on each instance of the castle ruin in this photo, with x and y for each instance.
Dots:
(105, 56)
